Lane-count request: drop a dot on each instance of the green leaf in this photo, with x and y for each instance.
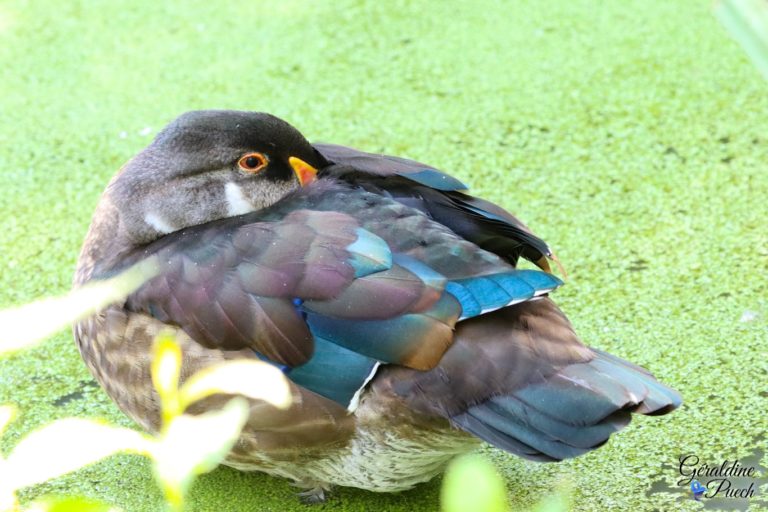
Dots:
(70, 504)
(8, 501)
(253, 379)
(472, 483)
(67, 445)
(166, 368)
(192, 445)
(7, 492)
(7, 414)
(558, 501)
(747, 22)
(28, 324)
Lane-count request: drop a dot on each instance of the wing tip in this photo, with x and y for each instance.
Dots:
(543, 263)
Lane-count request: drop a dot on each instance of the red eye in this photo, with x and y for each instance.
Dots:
(252, 162)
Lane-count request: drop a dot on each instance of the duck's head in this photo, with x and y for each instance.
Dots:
(208, 165)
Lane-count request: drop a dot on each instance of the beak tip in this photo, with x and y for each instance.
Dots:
(304, 172)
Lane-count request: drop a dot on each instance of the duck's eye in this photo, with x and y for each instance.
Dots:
(252, 162)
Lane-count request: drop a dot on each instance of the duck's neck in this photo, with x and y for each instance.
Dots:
(105, 244)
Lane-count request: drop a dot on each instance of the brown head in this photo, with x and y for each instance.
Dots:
(204, 166)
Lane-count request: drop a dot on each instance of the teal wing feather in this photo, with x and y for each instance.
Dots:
(333, 371)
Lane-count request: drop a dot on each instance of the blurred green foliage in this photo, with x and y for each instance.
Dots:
(747, 21)
(471, 483)
(186, 447)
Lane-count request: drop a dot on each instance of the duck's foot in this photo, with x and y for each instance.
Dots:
(312, 496)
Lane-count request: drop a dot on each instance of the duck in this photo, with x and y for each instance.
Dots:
(412, 320)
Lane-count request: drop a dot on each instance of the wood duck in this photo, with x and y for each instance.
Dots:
(389, 297)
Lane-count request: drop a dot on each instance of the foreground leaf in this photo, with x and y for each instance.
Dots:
(166, 368)
(558, 501)
(192, 445)
(472, 483)
(254, 379)
(67, 445)
(70, 505)
(747, 22)
(7, 413)
(7, 492)
(28, 324)
(8, 501)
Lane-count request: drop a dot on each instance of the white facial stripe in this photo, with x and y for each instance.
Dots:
(237, 204)
(159, 223)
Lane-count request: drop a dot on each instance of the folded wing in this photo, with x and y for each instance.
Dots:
(331, 292)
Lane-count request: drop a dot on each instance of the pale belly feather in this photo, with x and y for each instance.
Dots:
(374, 459)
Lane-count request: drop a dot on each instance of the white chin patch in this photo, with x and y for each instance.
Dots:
(237, 204)
(159, 223)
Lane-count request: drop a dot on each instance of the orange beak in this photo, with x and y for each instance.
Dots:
(305, 172)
